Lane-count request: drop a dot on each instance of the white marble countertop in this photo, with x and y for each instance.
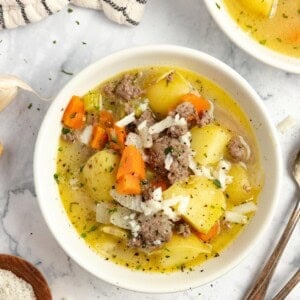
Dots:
(32, 54)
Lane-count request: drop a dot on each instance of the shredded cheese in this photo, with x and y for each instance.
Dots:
(86, 135)
(287, 123)
(168, 161)
(126, 120)
(162, 125)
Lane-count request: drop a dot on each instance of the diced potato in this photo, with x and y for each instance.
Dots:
(209, 143)
(240, 189)
(207, 202)
(261, 7)
(180, 250)
(115, 231)
(164, 94)
(99, 174)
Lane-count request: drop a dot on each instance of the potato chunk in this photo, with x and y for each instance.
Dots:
(259, 7)
(166, 92)
(181, 250)
(207, 202)
(240, 189)
(209, 143)
(99, 174)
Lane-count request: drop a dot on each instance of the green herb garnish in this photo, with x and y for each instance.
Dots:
(56, 177)
(65, 130)
(217, 183)
(168, 150)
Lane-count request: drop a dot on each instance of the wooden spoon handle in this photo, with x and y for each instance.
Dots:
(288, 287)
(260, 286)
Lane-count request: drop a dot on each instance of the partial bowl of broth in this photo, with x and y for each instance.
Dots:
(267, 30)
(103, 223)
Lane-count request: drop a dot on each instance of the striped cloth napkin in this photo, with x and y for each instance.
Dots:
(14, 13)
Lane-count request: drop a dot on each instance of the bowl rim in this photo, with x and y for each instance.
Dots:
(250, 45)
(187, 52)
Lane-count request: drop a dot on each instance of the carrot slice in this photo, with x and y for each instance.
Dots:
(200, 103)
(106, 119)
(129, 184)
(214, 231)
(132, 163)
(73, 116)
(99, 138)
(117, 137)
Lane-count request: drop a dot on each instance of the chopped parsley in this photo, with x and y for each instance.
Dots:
(29, 106)
(77, 22)
(217, 183)
(218, 6)
(93, 228)
(83, 235)
(284, 16)
(263, 42)
(110, 211)
(65, 130)
(70, 10)
(168, 150)
(56, 177)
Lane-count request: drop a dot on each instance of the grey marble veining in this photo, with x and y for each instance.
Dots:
(32, 54)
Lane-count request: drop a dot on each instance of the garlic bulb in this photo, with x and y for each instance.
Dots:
(9, 85)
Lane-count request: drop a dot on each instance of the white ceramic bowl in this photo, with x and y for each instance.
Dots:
(45, 165)
(247, 43)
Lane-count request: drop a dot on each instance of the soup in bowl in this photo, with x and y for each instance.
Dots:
(269, 30)
(156, 169)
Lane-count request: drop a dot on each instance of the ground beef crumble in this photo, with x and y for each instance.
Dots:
(154, 231)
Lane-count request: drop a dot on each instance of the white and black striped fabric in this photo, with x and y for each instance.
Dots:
(14, 13)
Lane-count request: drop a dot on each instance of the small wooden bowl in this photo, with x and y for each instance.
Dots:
(27, 272)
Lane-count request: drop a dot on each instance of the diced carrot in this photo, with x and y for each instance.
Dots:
(214, 231)
(131, 163)
(160, 183)
(129, 184)
(200, 103)
(106, 119)
(117, 137)
(74, 116)
(99, 138)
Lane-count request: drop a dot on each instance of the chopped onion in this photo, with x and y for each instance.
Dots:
(248, 150)
(234, 217)
(146, 137)
(117, 217)
(103, 212)
(130, 201)
(162, 125)
(168, 161)
(86, 135)
(245, 208)
(126, 120)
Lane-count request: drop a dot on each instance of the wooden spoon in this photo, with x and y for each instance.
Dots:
(27, 272)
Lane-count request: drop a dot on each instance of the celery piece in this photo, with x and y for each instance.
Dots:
(92, 101)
